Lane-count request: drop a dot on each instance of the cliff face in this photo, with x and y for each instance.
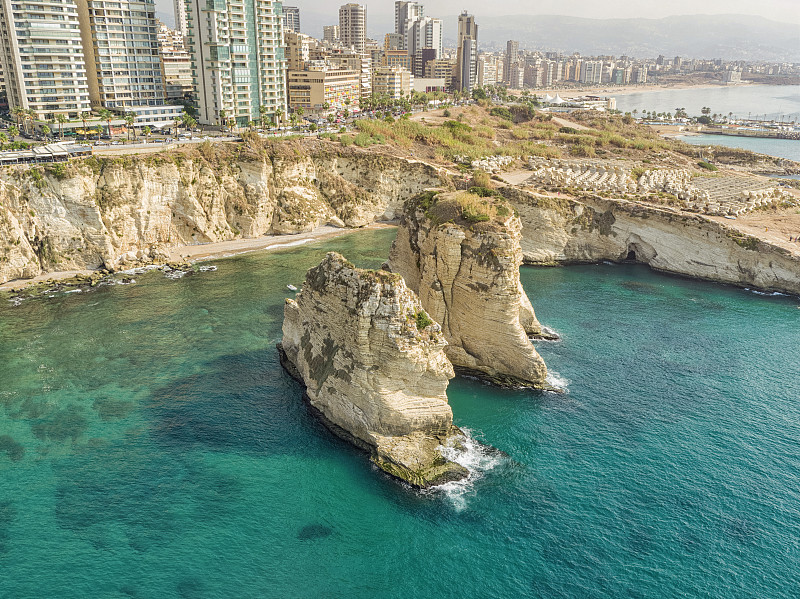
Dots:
(374, 367)
(111, 211)
(594, 229)
(466, 273)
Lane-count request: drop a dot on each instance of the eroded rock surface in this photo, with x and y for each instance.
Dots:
(592, 229)
(374, 367)
(124, 211)
(461, 254)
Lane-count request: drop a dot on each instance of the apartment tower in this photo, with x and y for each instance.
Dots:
(405, 14)
(180, 17)
(120, 44)
(467, 57)
(353, 26)
(291, 19)
(237, 59)
(42, 60)
(511, 57)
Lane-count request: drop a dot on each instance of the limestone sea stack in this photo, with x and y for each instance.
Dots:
(374, 368)
(460, 251)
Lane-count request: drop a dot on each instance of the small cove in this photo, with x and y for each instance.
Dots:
(151, 446)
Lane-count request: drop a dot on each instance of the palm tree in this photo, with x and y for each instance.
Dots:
(46, 130)
(222, 117)
(3, 139)
(279, 116)
(129, 120)
(84, 117)
(251, 125)
(30, 115)
(61, 119)
(106, 115)
(262, 112)
(19, 114)
(188, 122)
(146, 132)
(13, 131)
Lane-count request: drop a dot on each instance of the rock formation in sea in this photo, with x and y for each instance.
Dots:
(374, 368)
(460, 253)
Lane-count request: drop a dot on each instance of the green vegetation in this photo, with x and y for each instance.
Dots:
(463, 207)
(57, 170)
(502, 112)
(423, 320)
(707, 165)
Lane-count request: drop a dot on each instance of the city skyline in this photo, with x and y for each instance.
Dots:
(382, 13)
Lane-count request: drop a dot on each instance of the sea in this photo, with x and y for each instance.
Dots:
(151, 446)
(765, 102)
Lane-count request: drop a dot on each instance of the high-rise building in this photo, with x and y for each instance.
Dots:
(330, 34)
(467, 58)
(423, 34)
(405, 15)
(120, 44)
(237, 58)
(591, 71)
(176, 64)
(291, 19)
(180, 17)
(42, 58)
(353, 26)
(512, 56)
(488, 69)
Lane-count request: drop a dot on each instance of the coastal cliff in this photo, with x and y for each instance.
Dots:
(122, 211)
(592, 229)
(461, 253)
(374, 368)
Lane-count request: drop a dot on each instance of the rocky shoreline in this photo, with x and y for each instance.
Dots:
(117, 214)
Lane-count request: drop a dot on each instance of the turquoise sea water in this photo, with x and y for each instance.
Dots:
(782, 148)
(151, 446)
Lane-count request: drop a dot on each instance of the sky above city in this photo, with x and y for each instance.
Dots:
(380, 12)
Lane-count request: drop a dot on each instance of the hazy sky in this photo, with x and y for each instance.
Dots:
(380, 12)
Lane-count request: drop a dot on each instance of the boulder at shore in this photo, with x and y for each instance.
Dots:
(374, 368)
(460, 251)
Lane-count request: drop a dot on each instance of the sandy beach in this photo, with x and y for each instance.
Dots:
(213, 251)
(611, 90)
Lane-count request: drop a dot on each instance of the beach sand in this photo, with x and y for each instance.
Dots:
(211, 251)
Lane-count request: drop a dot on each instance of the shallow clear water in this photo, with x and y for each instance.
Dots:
(151, 446)
(782, 148)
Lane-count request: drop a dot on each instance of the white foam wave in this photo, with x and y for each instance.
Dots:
(175, 274)
(475, 457)
(290, 244)
(208, 268)
(767, 293)
(550, 332)
(557, 381)
(139, 270)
